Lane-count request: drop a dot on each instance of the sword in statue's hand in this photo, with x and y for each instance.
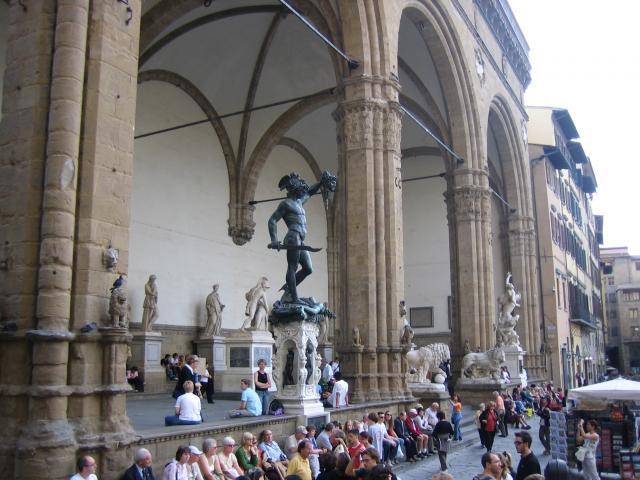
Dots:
(281, 246)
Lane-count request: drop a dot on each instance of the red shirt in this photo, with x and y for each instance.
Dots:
(492, 420)
(411, 426)
(355, 452)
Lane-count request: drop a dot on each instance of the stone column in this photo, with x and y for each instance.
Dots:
(473, 253)
(104, 196)
(48, 432)
(371, 239)
(25, 109)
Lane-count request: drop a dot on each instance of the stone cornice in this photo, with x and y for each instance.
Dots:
(503, 29)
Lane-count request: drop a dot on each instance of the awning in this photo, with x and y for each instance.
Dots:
(615, 390)
(556, 158)
(577, 152)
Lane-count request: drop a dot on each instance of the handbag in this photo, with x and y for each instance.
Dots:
(581, 453)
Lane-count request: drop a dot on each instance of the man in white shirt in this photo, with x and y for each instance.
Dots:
(86, 469)
(188, 408)
(340, 395)
(294, 440)
(327, 371)
(377, 432)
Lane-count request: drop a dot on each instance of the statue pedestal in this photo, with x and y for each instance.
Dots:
(475, 391)
(146, 353)
(514, 361)
(326, 351)
(296, 347)
(215, 351)
(427, 393)
(242, 350)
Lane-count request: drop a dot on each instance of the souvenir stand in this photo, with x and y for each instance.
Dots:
(612, 405)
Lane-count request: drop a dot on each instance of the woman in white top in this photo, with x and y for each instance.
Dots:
(590, 440)
(228, 460)
(209, 462)
(176, 469)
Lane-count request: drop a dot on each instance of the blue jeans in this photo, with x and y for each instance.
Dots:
(171, 420)
(263, 395)
(389, 452)
(456, 418)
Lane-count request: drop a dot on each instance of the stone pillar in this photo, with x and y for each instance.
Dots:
(23, 128)
(475, 293)
(371, 238)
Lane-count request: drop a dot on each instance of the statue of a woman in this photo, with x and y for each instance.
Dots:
(288, 369)
(214, 313)
(150, 311)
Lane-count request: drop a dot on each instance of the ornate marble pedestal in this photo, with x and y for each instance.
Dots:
(146, 353)
(514, 360)
(297, 367)
(475, 391)
(243, 349)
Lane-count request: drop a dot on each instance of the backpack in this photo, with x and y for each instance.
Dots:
(276, 408)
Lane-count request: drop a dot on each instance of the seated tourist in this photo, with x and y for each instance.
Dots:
(188, 408)
(299, 464)
(209, 462)
(193, 464)
(228, 461)
(86, 469)
(141, 469)
(167, 365)
(273, 459)
(294, 440)
(177, 468)
(247, 452)
(133, 378)
(250, 405)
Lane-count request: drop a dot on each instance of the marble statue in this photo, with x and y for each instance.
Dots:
(288, 369)
(119, 308)
(505, 328)
(257, 309)
(317, 372)
(406, 333)
(357, 342)
(110, 258)
(323, 336)
(424, 362)
(484, 364)
(309, 355)
(214, 309)
(291, 210)
(466, 348)
(150, 311)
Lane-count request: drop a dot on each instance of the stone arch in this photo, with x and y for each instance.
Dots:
(207, 108)
(272, 137)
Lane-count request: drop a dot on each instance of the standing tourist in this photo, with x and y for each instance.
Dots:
(443, 432)
(262, 381)
(478, 424)
(340, 394)
(456, 417)
(492, 467)
(590, 440)
(299, 464)
(489, 425)
(528, 461)
(500, 411)
(545, 424)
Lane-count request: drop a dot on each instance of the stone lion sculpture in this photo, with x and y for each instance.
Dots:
(119, 308)
(483, 364)
(425, 361)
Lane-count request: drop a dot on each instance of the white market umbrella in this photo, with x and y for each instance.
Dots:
(614, 390)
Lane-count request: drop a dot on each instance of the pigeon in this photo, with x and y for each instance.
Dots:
(89, 327)
(118, 283)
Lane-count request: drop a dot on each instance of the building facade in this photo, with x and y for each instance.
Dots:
(569, 235)
(622, 285)
(85, 81)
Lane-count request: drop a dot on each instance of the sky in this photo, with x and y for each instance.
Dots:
(585, 57)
